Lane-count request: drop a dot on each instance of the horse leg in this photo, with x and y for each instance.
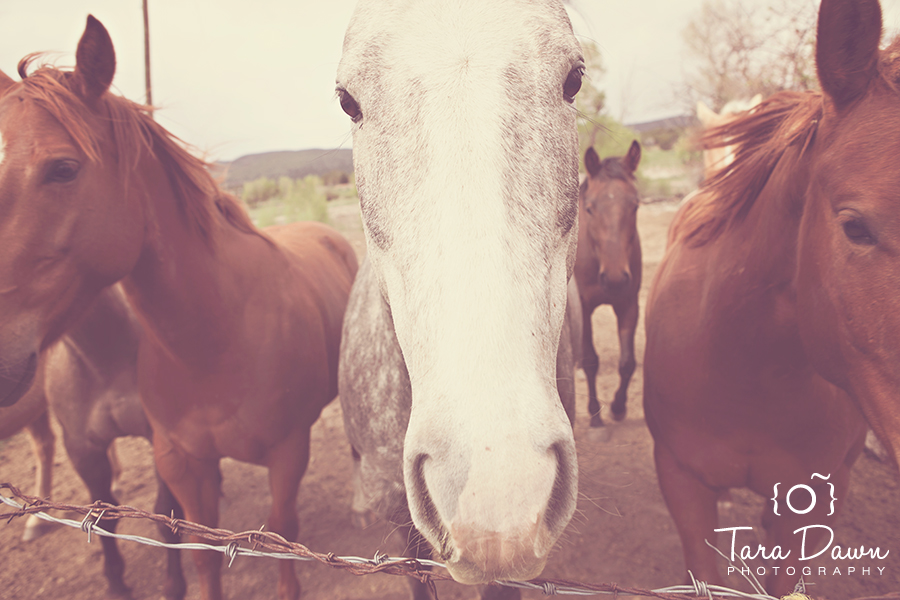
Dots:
(92, 465)
(626, 321)
(590, 362)
(43, 442)
(693, 507)
(287, 463)
(196, 485)
(175, 587)
(360, 515)
(116, 466)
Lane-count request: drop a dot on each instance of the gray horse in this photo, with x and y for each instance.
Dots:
(465, 150)
(376, 399)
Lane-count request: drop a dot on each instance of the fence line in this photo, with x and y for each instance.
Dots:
(268, 544)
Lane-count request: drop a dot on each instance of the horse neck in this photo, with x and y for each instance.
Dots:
(186, 287)
(764, 243)
(107, 335)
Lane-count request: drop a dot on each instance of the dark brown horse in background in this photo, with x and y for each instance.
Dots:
(775, 314)
(241, 328)
(608, 264)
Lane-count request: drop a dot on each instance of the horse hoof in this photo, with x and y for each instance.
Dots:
(36, 528)
(120, 591)
(175, 591)
(618, 413)
(596, 421)
(363, 520)
(599, 435)
(725, 500)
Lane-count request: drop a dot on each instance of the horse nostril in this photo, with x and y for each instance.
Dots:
(424, 507)
(561, 502)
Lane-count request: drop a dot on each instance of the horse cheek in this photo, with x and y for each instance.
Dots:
(818, 315)
(110, 247)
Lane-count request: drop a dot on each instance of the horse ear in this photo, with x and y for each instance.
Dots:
(633, 158)
(5, 82)
(705, 114)
(847, 48)
(95, 61)
(592, 162)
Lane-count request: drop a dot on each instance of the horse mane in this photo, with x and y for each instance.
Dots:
(611, 167)
(137, 136)
(761, 137)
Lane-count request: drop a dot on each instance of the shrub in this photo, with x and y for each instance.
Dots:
(296, 200)
(258, 191)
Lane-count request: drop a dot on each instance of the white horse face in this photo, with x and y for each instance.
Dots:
(465, 150)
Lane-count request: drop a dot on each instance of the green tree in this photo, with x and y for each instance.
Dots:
(595, 126)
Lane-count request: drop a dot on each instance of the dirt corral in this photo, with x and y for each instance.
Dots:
(621, 533)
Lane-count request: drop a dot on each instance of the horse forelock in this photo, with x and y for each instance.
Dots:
(49, 88)
(136, 136)
(441, 96)
(466, 153)
(761, 138)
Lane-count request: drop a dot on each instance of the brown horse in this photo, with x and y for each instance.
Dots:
(89, 380)
(608, 264)
(241, 328)
(775, 314)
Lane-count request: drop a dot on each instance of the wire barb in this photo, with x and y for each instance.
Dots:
(88, 523)
(549, 589)
(700, 587)
(231, 551)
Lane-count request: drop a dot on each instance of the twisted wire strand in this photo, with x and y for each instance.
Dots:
(271, 545)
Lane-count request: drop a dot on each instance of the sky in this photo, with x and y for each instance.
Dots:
(233, 80)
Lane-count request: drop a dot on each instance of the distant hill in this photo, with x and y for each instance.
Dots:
(289, 163)
(679, 122)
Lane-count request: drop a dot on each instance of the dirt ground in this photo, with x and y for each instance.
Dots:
(621, 533)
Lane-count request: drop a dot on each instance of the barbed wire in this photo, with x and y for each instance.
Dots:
(271, 545)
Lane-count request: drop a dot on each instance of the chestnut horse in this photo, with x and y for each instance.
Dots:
(465, 150)
(608, 264)
(775, 314)
(241, 328)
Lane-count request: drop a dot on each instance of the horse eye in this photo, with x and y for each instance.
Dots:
(350, 106)
(857, 232)
(573, 83)
(62, 171)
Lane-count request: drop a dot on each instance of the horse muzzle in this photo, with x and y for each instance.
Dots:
(481, 557)
(494, 527)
